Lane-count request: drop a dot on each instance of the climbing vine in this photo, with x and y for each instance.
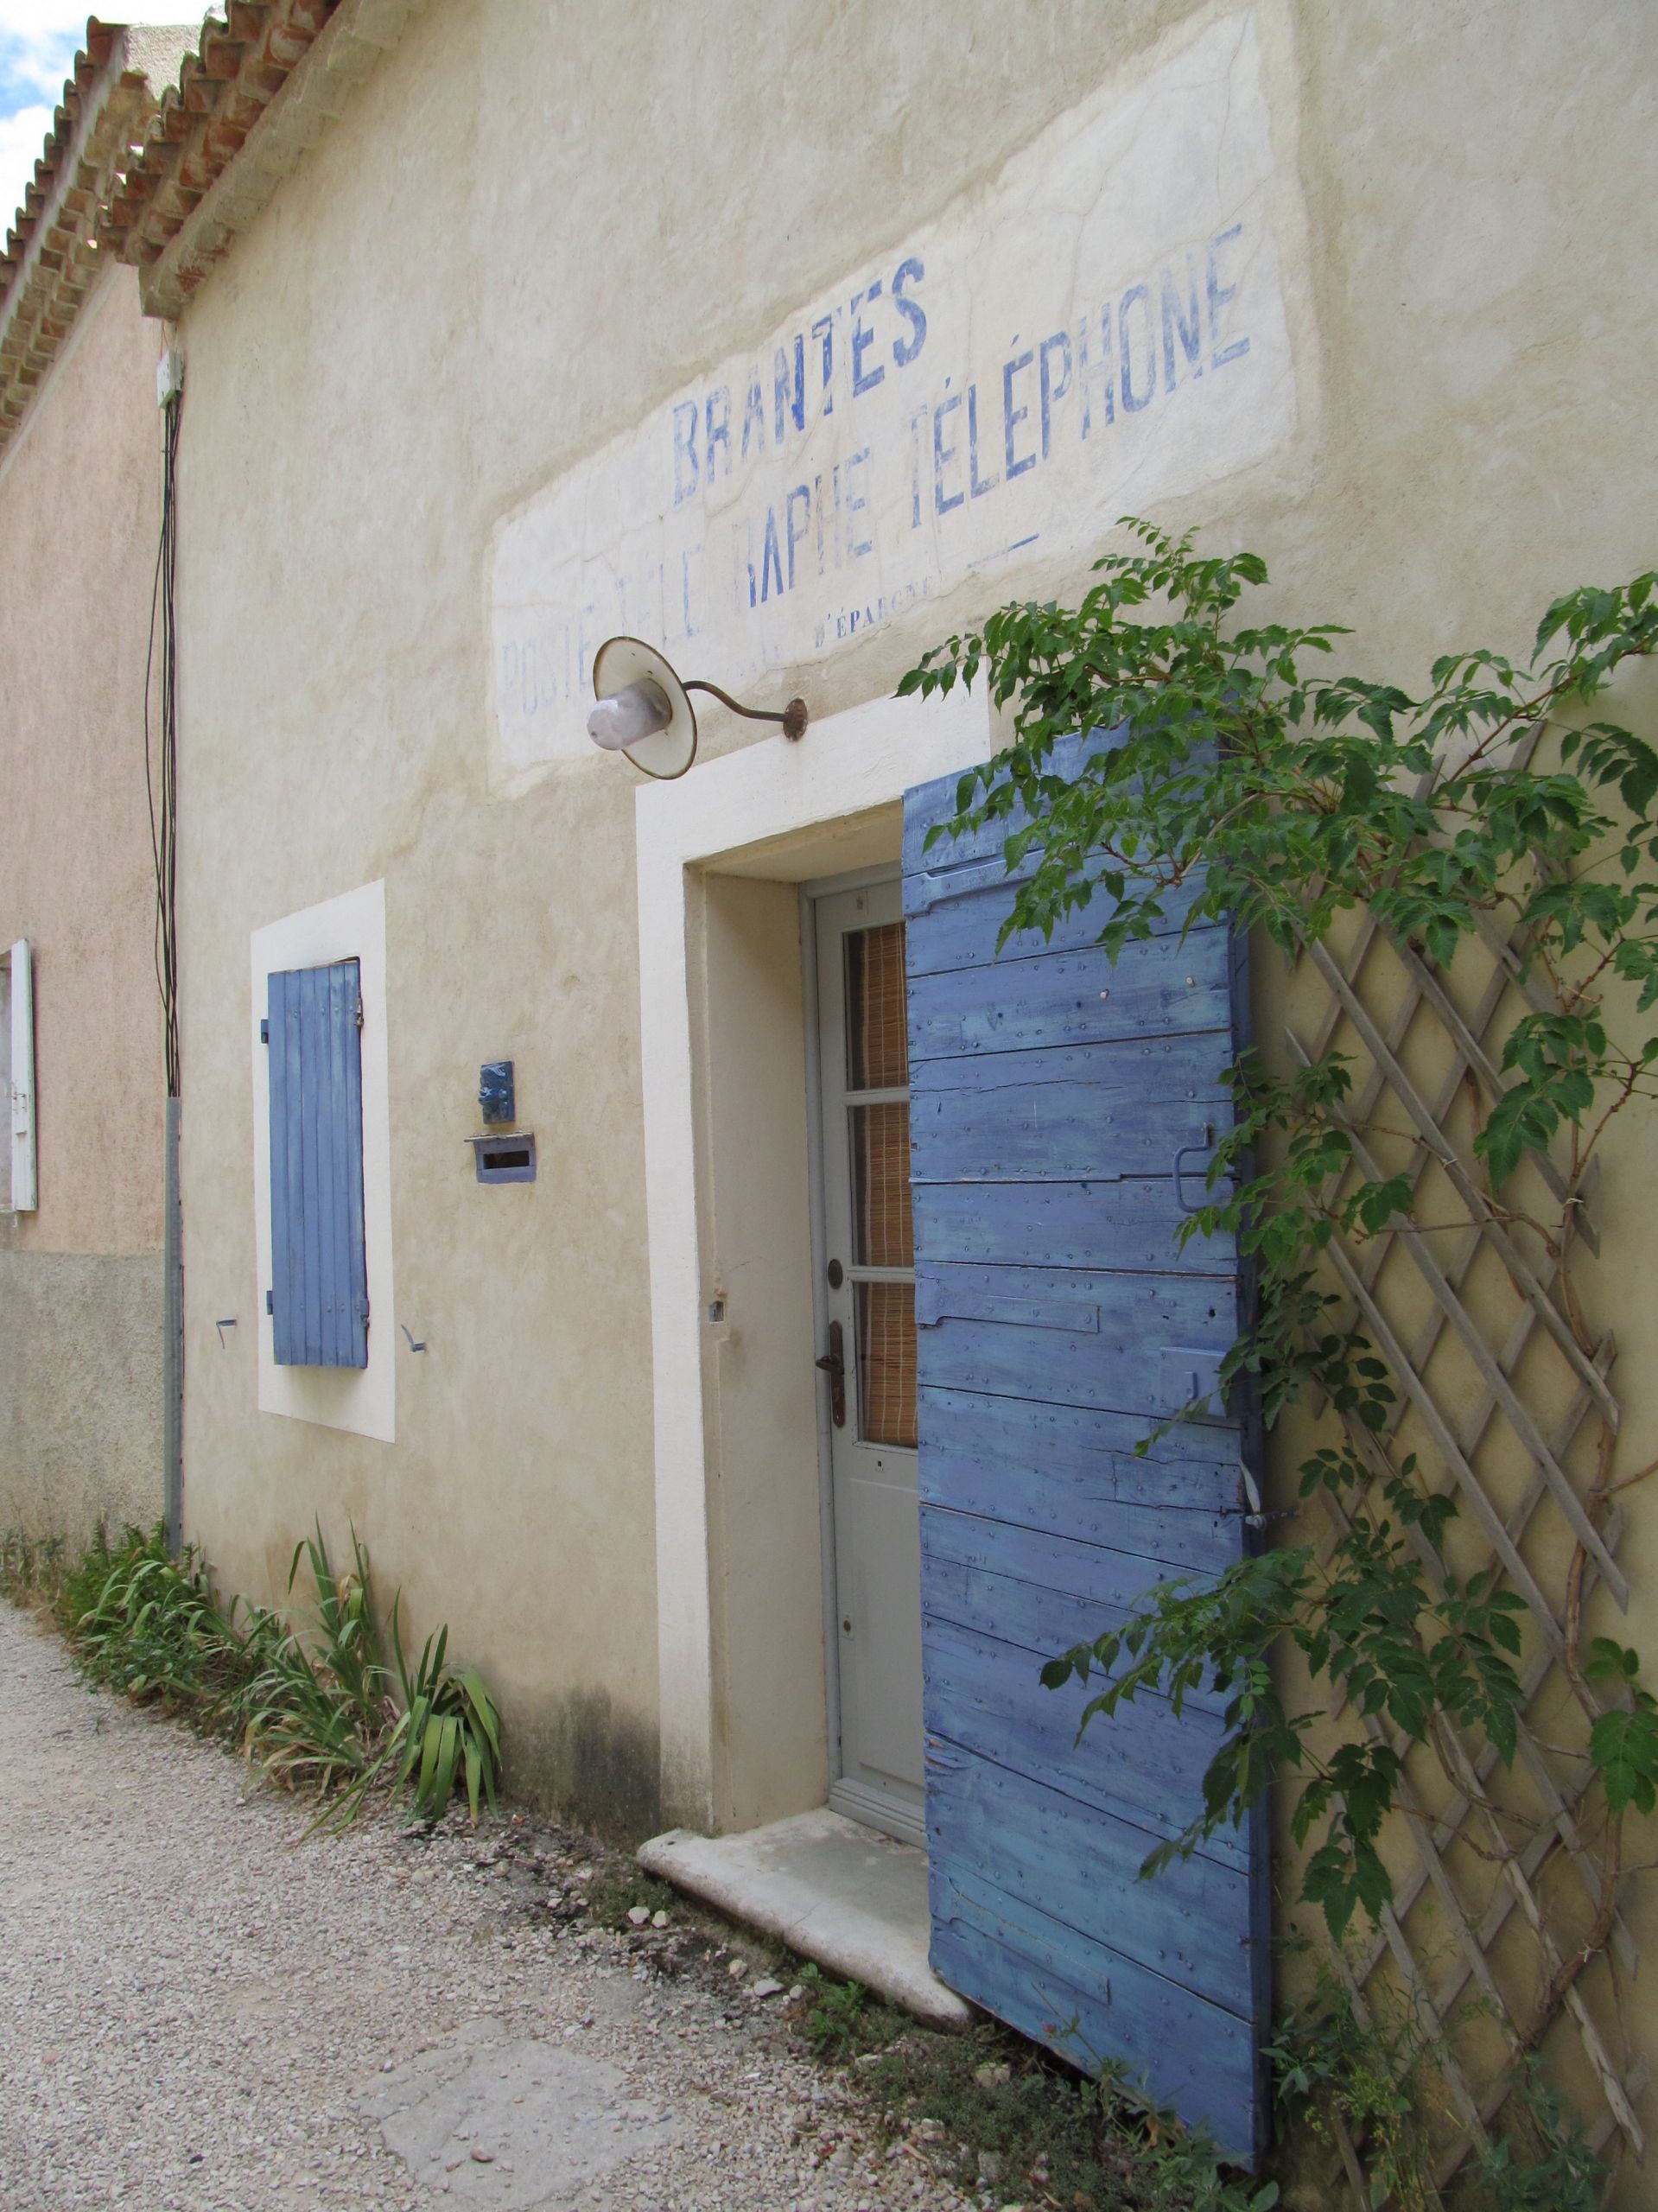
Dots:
(1243, 782)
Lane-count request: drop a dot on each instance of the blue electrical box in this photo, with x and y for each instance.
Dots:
(495, 1090)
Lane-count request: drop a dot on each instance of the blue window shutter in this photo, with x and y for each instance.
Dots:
(319, 1299)
(1058, 1323)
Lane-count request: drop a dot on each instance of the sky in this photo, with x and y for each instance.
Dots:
(38, 43)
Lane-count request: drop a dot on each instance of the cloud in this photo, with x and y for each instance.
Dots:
(39, 40)
(23, 134)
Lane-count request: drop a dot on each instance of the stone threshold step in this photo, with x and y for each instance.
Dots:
(851, 1900)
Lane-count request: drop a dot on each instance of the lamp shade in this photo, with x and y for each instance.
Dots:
(628, 666)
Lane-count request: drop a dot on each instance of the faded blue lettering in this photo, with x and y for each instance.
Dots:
(1221, 295)
(684, 450)
(856, 503)
(905, 349)
(1186, 326)
(1181, 319)
(754, 418)
(1133, 400)
(717, 432)
(943, 455)
(974, 484)
(864, 380)
(1012, 416)
(771, 563)
(1059, 343)
(824, 329)
(790, 406)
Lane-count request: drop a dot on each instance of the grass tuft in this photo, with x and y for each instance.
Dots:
(614, 1891)
(31, 1569)
(309, 1695)
(1005, 2121)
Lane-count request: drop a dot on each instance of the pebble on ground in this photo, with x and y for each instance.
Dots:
(200, 2013)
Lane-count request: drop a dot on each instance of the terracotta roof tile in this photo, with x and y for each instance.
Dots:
(239, 80)
(51, 261)
(130, 174)
(242, 58)
(100, 44)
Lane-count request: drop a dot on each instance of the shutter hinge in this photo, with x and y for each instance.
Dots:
(359, 1010)
(270, 1302)
(264, 1032)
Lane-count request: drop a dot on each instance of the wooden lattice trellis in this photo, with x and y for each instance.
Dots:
(1501, 1940)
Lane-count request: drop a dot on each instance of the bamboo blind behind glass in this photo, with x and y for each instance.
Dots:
(878, 1060)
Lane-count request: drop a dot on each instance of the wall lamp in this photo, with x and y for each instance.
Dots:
(644, 711)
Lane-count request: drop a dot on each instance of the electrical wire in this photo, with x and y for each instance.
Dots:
(161, 774)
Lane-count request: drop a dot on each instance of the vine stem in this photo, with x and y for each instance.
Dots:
(1593, 1941)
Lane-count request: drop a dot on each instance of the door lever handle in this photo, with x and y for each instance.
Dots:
(1181, 1171)
(834, 1365)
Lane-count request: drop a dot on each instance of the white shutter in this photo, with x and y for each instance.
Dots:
(22, 1080)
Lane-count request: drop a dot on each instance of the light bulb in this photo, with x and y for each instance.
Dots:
(640, 710)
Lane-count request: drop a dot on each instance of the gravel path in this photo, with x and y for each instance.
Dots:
(196, 2016)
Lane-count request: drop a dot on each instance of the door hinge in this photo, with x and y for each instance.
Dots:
(270, 1302)
(359, 1010)
(265, 1031)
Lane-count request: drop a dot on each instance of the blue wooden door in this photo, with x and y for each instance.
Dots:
(1058, 1323)
(319, 1287)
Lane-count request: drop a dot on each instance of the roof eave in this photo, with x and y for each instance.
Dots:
(266, 80)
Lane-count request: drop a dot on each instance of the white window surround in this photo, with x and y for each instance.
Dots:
(845, 765)
(5, 1079)
(361, 1400)
(21, 1193)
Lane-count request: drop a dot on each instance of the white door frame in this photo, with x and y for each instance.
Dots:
(819, 887)
(846, 1794)
(845, 765)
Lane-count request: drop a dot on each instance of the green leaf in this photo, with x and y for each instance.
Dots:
(1623, 1750)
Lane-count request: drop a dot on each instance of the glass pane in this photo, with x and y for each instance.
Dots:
(877, 1048)
(886, 1363)
(881, 1231)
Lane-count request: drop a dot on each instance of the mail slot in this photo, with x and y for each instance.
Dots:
(506, 1159)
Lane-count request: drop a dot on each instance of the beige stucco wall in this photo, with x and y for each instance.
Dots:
(80, 1339)
(531, 226)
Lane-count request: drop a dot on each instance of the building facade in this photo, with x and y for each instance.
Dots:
(81, 1181)
(507, 330)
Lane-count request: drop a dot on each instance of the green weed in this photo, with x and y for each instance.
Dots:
(1551, 2167)
(31, 1568)
(449, 1729)
(1003, 2116)
(840, 2021)
(145, 1624)
(312, 1697)
(615, 1889)
(324, 1713)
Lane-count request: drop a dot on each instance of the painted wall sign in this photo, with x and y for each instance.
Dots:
(1099, 328)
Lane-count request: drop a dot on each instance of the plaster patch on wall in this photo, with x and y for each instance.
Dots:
(1101, 327)
(361, 1399)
